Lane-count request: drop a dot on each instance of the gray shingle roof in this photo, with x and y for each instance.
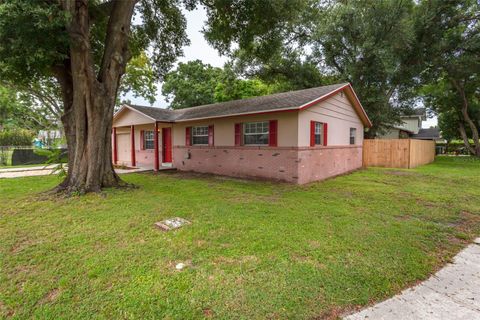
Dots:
(278, 101)
(158, 114)
(427, 134)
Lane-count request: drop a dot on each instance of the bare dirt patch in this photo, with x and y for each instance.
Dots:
(308, 260)
(5, 312)
(208, 313)
(466, 221)
(50, 297)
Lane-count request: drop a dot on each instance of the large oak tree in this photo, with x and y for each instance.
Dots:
(86, 46)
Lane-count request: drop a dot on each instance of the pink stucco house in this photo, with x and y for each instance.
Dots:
(298, 136)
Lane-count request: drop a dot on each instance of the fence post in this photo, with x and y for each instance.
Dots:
(409, 153)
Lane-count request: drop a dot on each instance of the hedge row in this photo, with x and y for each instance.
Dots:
(19, 137)
(454, 147)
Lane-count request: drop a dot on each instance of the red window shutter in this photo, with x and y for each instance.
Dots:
(312, 133)
(210, 135)
(238, 134)
(325, 133)
(272, 137)
(142, 139)
(188, 138)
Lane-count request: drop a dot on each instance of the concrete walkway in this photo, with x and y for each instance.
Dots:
(26, 171)
(452, 293)
(46, 170)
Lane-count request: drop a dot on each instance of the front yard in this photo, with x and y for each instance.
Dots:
(254, 250)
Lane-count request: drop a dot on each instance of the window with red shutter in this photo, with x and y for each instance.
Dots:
(188, 136)
(147, 140)
(318, 133)
(199, 136)
(272, 137)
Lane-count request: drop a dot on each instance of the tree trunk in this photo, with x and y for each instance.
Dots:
(466, 117)
(87, 121)
(91, 160)
(89, 99)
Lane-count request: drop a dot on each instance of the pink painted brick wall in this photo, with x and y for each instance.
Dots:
(253, 162)
(325, 162)
(297, 165)
(146, 158)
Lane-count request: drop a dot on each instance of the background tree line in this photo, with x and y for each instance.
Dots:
(396, 53)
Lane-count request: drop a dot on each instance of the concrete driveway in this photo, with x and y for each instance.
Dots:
(19, 172)
(452, 293)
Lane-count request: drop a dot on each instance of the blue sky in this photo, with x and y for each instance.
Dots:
(200, 49)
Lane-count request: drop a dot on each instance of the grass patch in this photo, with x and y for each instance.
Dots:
(254, 250)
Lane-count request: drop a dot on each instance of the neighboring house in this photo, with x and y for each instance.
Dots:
(298, 136)
(49, 137)
(412, 128)
(411, 125)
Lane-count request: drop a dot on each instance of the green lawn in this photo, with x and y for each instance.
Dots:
(255, 250)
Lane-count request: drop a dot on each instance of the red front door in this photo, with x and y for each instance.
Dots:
(166, 145)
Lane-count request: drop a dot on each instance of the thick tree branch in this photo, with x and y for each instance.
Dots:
(464, 111)
(116, 54)
(463, 134)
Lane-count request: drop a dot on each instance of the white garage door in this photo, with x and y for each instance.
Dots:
(124, 152)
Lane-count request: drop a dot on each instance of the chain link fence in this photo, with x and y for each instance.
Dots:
(6, 153)
(21, 155)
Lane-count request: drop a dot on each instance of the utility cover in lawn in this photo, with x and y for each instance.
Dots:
(172, 223)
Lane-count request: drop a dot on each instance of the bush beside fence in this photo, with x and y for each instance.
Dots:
(17, 137)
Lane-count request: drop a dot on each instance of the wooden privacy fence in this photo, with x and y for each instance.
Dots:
(397, 153)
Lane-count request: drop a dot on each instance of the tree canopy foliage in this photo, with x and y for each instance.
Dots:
(195, 83)
(191, 84)
(451, 76)
(21, 110)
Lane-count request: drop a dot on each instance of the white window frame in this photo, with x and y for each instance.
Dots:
(354, 130)
(319, 132)
(148, 136)
(194, 134)
(264, 124)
